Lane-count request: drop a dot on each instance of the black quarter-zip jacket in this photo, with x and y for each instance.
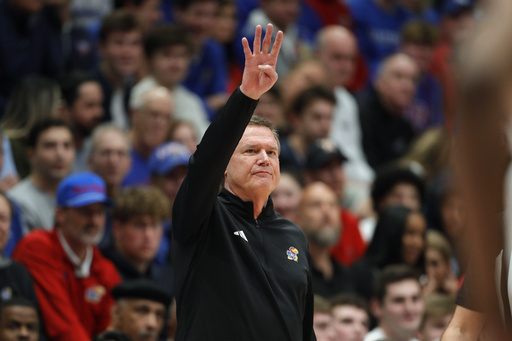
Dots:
(236, 277)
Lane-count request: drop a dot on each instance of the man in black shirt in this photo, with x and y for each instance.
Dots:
(241, 271)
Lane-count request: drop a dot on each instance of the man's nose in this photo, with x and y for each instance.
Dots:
(263, 157)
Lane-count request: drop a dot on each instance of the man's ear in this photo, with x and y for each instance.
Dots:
(376, 308)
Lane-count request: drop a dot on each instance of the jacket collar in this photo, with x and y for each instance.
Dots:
(246, 208)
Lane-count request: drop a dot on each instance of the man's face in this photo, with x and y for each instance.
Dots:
(397, 83)
(140, 319)
(122, 52)
(286, 197)
(152, 123)
(87, 111)
(169, 65)
(402, 308)
(322, 325)
(110, 158)
(53, 154)
(402, 194)
(413, 239)
(199, 18)
(83, 225)
(316, 120)
(139, 238)
(332, 174)
(19, 323)
(170, 183)
(435, 327)
(281, 12)
(339, 56)
(253, 169)
(319, 215)
(5, 221)
(350, 322)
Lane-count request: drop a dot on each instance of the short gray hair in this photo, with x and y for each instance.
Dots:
(103, 129)
(263, 122)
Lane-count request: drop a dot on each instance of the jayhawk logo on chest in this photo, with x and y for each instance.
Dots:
(292, 254)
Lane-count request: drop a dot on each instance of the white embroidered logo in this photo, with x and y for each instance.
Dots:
(241, 234)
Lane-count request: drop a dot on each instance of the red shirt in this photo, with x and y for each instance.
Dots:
(72, 308)
(350, 246)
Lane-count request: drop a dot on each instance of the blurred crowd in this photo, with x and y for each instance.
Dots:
(102, 103)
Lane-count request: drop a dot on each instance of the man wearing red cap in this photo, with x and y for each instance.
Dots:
(72, 279)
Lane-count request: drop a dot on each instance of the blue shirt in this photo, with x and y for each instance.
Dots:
(139, 173)
(427, 108)
(377, 30)
(207, 74)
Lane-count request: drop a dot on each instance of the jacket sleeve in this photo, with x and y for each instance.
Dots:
(59, 317)
(198, 192)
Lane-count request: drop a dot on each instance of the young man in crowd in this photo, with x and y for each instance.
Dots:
(351, 318)
(138, 216)
(121, 64)
(19, 320)
(82, 109)
(169, 51)
(51, 151)
(322, 320)
(398, 304)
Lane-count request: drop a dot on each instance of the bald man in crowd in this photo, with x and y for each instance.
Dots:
(152, 115)
(386, 133)
(336, 48)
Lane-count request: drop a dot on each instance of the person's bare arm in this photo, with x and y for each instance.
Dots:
(484, 70)
(465, 325)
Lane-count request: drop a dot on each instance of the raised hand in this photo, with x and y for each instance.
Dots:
(260, 64)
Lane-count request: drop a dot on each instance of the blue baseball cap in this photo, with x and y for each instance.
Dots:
(81, 189)
(167, 157)
(454, 7)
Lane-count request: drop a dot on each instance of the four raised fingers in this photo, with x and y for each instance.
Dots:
(266, 42)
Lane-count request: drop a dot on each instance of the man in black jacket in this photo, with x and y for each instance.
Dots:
(241, 271)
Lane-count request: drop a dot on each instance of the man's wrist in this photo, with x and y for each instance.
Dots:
(248, 94)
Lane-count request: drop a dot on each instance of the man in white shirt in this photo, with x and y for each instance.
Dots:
(397, 304)
(337, 49)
